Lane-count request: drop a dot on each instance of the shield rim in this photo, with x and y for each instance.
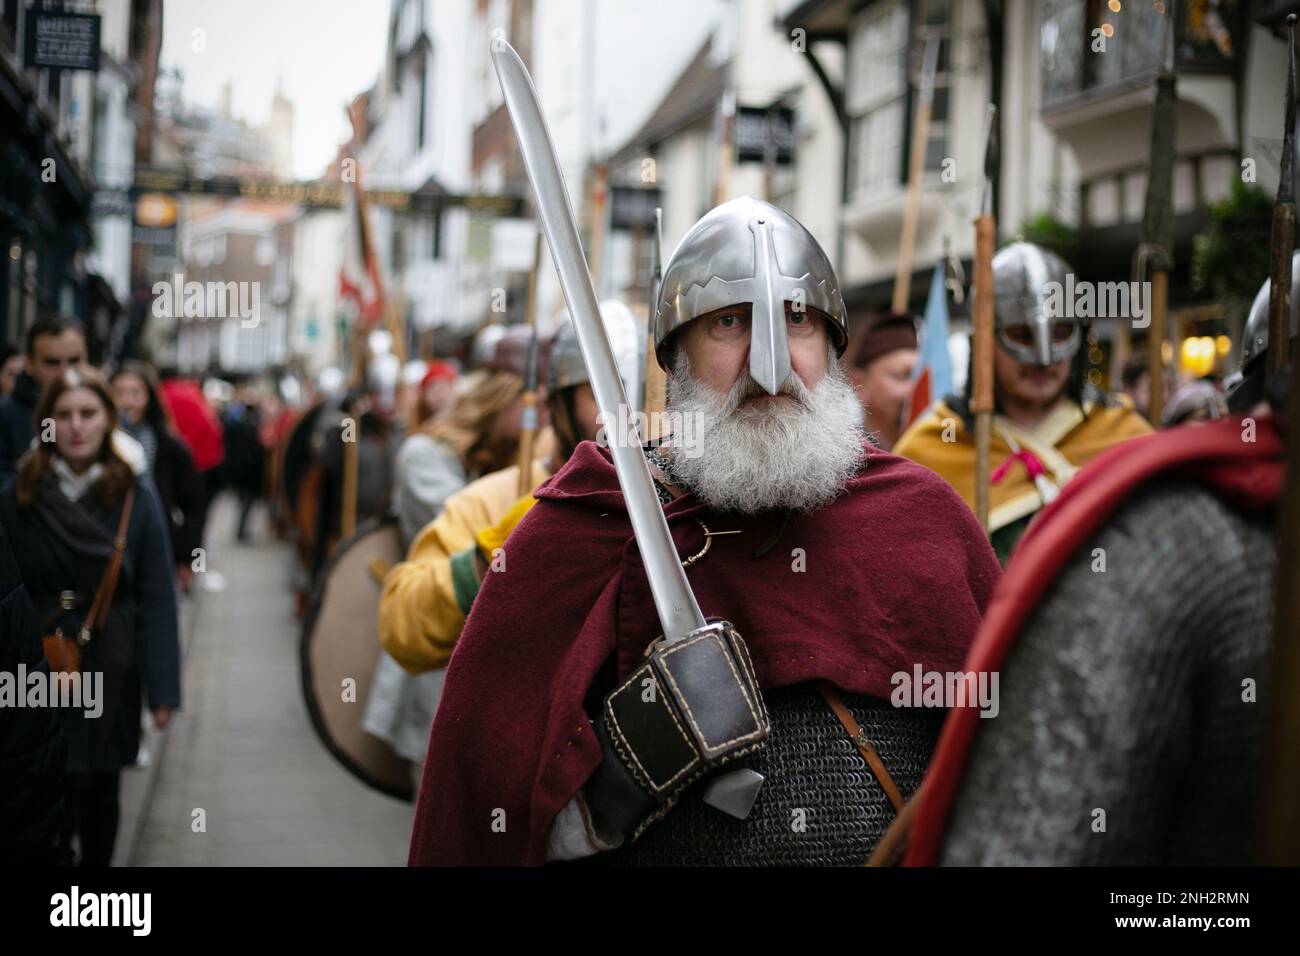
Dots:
(307, 675)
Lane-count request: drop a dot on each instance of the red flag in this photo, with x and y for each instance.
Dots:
(920, 400)
(359, 278)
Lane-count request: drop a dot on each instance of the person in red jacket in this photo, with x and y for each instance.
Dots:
(200, 429)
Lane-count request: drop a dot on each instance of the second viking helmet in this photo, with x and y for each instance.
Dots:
(567, 369)
(1022, 278)
(749, 251)
(1254, 337)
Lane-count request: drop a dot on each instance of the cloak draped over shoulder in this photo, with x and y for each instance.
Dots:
(893, 573)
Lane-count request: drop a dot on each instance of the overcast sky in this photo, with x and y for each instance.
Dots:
(324, 52)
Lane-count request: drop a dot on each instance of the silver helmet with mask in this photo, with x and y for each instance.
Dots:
(1028, 329)
(747, 251)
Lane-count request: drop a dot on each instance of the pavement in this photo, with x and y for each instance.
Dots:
(240, 777)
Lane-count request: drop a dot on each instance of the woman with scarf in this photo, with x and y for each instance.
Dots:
(75, 503)
(180, 489)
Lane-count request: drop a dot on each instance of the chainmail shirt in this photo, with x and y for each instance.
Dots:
(1124, 696)
(820, 805)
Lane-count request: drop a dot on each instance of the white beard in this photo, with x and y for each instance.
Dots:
(797, 454)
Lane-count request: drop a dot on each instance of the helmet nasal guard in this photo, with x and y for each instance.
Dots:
(749, 251)
(1023, 274)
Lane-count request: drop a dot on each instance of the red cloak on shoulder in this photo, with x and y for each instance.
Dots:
(893, 573)
(1246, 474)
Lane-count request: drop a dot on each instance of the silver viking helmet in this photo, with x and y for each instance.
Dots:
(383, 371)
(749, 251)
(1254, 337)
(567, 368)
(1022, 278)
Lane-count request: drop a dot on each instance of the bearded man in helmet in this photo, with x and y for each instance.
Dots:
(1048, 420)
(843, 566)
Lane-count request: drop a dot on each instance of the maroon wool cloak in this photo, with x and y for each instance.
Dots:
(893, 573)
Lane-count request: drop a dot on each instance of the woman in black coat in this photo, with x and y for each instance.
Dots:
(62, 515)
(136, 393)
(33, 753)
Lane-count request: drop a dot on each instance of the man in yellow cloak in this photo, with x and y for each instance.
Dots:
(1045, 428)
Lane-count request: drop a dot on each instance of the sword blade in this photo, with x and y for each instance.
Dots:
(679, 614)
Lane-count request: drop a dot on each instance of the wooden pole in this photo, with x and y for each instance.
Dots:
(528, 433)
(982, 369)
(1156, 332)
(981, 387)
(656, 381)
(916, 169)
(1279, 828)
(726, 150)
(351, 461)
(599, 206)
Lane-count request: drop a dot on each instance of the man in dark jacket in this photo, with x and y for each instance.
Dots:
(33, 752)
(54, 344)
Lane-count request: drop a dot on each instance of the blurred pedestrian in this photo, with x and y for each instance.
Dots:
(136, 392)
(96, 560)
(200, 429)
(245, 457)
(53, 344)
(437, 391)
(880, 368)
(478, 434)
(33, 751)
(12, 363)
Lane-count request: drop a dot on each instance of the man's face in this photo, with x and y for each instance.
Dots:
(886, 384)
(1140, 392)
(131, 396)
(10, 371)
(438, 394)
(585, 411)
(52, 355)
(1029, 384)
(717, 345)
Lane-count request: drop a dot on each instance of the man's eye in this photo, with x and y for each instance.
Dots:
(728, 321)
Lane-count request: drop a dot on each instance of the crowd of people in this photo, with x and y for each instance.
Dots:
(105, 486)
(501, 689)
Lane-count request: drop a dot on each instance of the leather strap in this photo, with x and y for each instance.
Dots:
(108, 584)
(859, 738)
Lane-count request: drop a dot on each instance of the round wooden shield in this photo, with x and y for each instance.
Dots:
(340, 643)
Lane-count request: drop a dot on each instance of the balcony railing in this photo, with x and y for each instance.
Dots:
(1133, 31)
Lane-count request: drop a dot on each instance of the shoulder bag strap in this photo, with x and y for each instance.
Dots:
(99, 607)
